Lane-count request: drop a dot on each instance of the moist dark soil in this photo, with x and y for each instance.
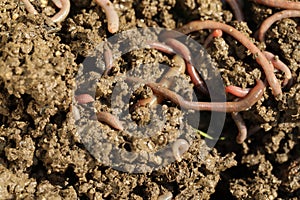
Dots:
(44, 157)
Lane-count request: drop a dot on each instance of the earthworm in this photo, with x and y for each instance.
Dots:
(240, 123)
(179, 68)
(110, 120)
(63, 12)
(237, 11)
(165, 196)
(252, 97)
(214, 34)
(58, 17)
(108, 59)
(161, 47)
(179, 147)
(278, 64)
(237, 91)
(259, 56)
(111, 15)
(267, 23)
(280, 4)
(29, 7)
(183, 50)
(84, 98)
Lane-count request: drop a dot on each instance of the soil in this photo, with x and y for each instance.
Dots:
(43, 157)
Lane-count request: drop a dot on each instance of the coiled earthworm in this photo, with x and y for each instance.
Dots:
(278, 64)
(111, 15)
(110, 120)
(259, 56)
(179, 147)
(84, 98)
(267, 23)
(237, 11)
(179, 68)
(280, 4)
(237, 91)
(183, 50)
(252, 97)
(64, 6)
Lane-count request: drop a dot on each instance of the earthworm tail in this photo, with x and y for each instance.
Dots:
(84, 98)
(252, 97)
(29, 7)
(108, 59)
(267, 23)
(111, 15)
(280, 4)
(110, 120)
(179, 147)
(238, 120)
(63, 12)
(237, 91)
(259, 56)
(278, 64)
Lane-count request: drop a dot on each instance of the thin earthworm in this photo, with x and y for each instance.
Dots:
(237, 91)
(259, 56)
(237, 11)
(84, 98)
(108, 59)
(179, 147)
(267, 23)
(252, 97)
(280, 4)
(214, 34)
(278, 64)
(240, 123)
(161, 47)
(183, 50)
(179, 68)
(63, 12)
(111, 15)
(58, 17)
(29, 7)
(110, 120)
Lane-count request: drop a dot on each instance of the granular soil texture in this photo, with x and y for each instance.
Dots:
(42, 155)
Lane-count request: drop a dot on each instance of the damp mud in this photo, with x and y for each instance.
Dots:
(53, 147)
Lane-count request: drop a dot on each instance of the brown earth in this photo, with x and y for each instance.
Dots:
(43, 157)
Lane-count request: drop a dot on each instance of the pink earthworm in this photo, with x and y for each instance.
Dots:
(161, 47)
(84, 98)
(276, 17)
(179, 147)
(58, 17)
(214, 34)
(57, 3)
(237, 91)
(183, 50)
(252, 97)
(240, 123)
(278, 64)
(111, 15)
(110, 120)
(237, 11)
(108, 59)
(280, 4)
(259, 56)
